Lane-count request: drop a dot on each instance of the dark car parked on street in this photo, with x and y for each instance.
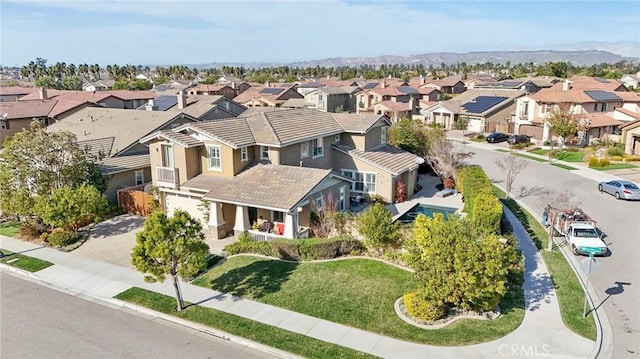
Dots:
(518, 139)
(497, 137)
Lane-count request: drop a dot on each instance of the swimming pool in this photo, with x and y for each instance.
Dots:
(427, 210)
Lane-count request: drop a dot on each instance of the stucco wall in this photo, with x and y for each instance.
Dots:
(384, 180)
(124, 179)
(290, 155)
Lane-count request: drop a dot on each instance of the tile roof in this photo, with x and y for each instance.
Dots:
(266, 186)
(174, 136)
(447, 81)
(358, 123)
(331, 90)
(631, 125)
(125, 126)
(208, 88)
(112, 165)
(296, 125)
(591, 83)
(597, 119)
(386, 157)
(99, 147)
(16, 90)
(27, 109)
(627, 112)
(93, 96)
(297, 103)
(396, 106)
(232, 131)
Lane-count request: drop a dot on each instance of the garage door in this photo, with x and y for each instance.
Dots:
(475, 125)
(531, 130)
(185, 203)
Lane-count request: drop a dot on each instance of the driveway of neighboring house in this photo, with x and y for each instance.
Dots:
(111, 241)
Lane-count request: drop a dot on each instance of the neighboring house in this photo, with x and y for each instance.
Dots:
(630, 136)
(309, 86)
(394, 102)
(216, 89)
(100, 85)
(200, 107)
(449, 85)
(267, 96)
(112, 136)
(336, 82)
(525, 85)
(13, 93)
(110, 99)
(631, 81)
(297, 103)
(484, 110)
(277, 164)
(583, 99)
(333, 99)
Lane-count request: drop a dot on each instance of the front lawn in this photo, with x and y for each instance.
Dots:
(29, 264)
(564, 166)
(615, 166)
(249, 329)
(539, 151)
(10, 229)
(568, 289)
(355, 292)
(569, 156)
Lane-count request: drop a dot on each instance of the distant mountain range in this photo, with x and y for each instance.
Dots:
(580, 54)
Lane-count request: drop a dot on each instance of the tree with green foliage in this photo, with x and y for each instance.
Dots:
(564, 123)
(70, 208)
(35, 162)
(409, 135)
(172, 247)
(121, 84)
(461, 124)
(48, 82)
(141, 84)
(161, 80)
(460, 266)
(377, 227)
(71, 82)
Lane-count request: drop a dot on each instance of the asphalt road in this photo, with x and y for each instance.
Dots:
(39, 322)
(617, 280)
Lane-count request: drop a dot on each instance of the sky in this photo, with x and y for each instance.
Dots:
(163, 32)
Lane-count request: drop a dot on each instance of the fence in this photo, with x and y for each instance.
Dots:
(134, 200)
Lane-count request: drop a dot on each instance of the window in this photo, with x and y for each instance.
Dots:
(320, 100)
(336, 138)
(317, 148)
(278, 216)
(244, 156)
(603, 108)
(319, 204)
(383, 134)
(139, 176)
(341, 203)
(214, 158)
(304, 149)
(364, 182)
(547, 107)
(167, 155)
(264, 152)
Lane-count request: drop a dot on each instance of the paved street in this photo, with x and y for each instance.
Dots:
(617, 281)
(38, 322)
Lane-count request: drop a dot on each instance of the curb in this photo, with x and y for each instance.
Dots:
(111, 302)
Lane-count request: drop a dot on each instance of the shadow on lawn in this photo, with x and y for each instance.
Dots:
(254, 280)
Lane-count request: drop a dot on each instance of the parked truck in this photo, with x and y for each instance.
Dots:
(578, 229)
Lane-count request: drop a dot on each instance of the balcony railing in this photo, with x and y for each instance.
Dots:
(167, 176)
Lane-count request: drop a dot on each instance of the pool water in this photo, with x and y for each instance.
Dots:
(427, 210)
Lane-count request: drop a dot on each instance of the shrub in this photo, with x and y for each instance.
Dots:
(593, 161)
(480, 137)
(286, 249)
(32, 228)
(616, 158)
(377, 227)
(245, 236)
(486, 214)
(604, 162)
(61, 238)
(520, 146)
(421, 308)
(298, 249)
(632, 158)
(615, 151)
(546, 143)
(263, 248)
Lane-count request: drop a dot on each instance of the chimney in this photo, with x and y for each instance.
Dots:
(150, 106)
(233, 85)
(422, 80)
(383, 84)
(182, 100)
(565, 85)
(43, 93)
(300, 163)
(267, 84)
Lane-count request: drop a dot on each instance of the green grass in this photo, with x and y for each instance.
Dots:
(29, 264)
(568, 288)
(540, 151)
(615, 166)
(502, 150)
(10, 229)
(569, 156)
(538, 159)
(564, 166)
(246, 328)
(355, 292)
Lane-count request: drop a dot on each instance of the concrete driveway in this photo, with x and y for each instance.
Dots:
(111, 241)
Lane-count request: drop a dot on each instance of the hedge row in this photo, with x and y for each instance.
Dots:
(298, 249)
(480, 204)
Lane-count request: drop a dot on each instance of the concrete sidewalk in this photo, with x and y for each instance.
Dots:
(541, 333)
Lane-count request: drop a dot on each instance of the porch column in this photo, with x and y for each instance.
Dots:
(242, 220)
(545, 132)
(215, 214)
(291, 225)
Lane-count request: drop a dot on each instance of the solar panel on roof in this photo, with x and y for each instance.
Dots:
(482, 103)
(600, 95)
(510, 83)
(600, 79)
(408, 90)
(370, 85)
(165, 102)
(271, 90)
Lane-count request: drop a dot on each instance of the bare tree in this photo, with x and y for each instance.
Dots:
(442, 155)
(511, 165)
(555, 202)
(326, 220)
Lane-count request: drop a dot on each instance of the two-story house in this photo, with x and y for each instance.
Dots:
(449, 85)
(267, 95)
(594, 101)
(215, 89)
(280, 165)
(333, 99)
(394, 102)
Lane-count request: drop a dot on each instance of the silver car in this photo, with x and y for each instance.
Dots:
(620, 189)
